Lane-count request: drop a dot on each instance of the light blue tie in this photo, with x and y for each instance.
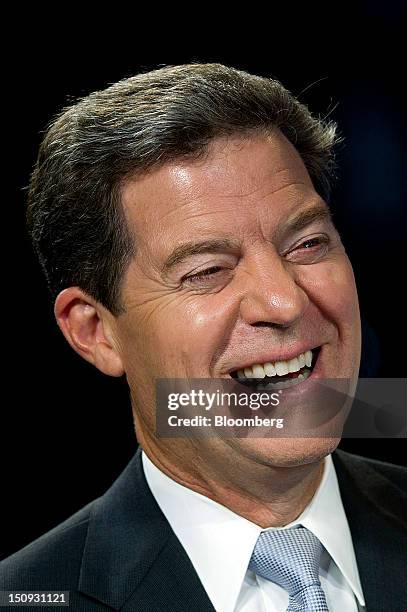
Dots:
(290, 558)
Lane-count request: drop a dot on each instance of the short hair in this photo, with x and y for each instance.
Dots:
(74, 212)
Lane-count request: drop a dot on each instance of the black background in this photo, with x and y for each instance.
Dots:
(67, 430)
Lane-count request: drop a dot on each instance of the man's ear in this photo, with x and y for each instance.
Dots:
(87, 326)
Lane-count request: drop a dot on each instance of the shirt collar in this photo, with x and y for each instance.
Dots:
(203, 525)
(326, 518)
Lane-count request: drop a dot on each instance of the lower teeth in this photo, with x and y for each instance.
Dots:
(284, 384)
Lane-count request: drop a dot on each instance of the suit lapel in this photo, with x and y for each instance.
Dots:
(132, 560)
(373, 506)
(171, 584)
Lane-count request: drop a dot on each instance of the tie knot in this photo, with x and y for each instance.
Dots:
(288, 557)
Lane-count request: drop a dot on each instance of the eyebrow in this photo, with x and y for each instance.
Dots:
(318, 212)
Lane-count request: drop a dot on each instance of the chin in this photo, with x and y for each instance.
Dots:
(288, 452)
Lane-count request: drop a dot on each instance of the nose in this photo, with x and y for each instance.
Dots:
(271, 293)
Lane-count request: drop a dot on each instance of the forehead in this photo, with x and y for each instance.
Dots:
(237, 180)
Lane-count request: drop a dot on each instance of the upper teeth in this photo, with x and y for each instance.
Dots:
(278, 368)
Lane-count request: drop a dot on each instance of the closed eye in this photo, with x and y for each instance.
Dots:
(202, 274)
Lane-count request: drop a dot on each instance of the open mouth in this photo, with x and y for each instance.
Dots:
(280, 374)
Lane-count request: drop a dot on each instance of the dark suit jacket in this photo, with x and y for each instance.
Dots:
(120, 553)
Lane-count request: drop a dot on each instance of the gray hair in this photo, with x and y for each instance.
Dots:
(74, 213)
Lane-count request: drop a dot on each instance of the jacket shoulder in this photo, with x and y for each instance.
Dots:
(396, 474)
(52, 560)
(380, 486)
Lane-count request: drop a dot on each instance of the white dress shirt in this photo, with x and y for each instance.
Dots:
(220, 543)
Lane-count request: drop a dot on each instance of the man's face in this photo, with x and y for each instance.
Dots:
(238, 263)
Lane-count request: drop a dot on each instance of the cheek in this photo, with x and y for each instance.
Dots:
(179, 333)
(195, 327)
(331, 286)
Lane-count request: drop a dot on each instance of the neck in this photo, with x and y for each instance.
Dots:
(273, 496)
(289, 491)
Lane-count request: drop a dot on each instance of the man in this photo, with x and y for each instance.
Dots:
(181, 219)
